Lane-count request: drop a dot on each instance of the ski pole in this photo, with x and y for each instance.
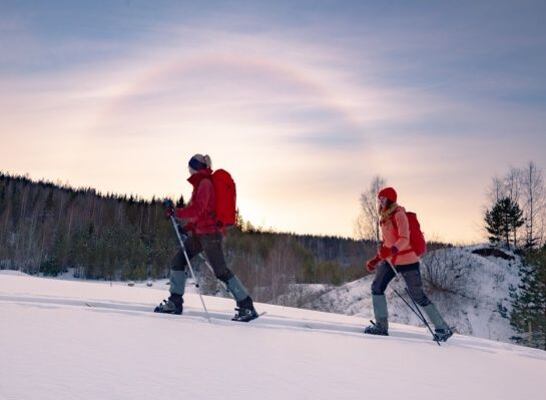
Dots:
(175, 226)
(417, 310)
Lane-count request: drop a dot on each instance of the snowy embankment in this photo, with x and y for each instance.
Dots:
(81, 340)
(474, 286)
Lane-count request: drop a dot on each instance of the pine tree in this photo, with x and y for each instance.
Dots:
(528, 314)
(503, 221)
(494, 224)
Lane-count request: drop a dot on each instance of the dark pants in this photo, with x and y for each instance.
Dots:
(211, 245)
(384, 274)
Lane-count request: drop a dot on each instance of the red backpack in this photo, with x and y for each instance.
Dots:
(418, 243)
(226, 196)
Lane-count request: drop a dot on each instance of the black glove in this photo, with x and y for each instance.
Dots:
(169, 208)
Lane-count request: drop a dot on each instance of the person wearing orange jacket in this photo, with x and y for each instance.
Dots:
(396, 252)
(203, 233)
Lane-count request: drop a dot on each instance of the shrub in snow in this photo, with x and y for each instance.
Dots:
(443, 270)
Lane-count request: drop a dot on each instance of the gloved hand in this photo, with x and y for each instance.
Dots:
(386, 252)
(169, 212)
(371, 264)
(169, 208)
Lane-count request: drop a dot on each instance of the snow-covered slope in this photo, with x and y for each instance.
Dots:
(80, 340)
(475, 284)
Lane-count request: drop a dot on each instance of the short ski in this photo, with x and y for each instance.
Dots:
(258, 315)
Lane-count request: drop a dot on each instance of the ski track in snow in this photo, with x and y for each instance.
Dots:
(81, 340)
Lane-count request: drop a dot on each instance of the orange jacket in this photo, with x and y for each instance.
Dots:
(398, 237)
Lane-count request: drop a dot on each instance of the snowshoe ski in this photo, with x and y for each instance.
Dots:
(245, 314)
(376, 329)
(169, 307)
(441, 335)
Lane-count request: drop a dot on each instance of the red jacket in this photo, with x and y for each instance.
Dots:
(199, 214)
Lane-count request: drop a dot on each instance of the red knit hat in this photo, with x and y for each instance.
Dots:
(389, 193)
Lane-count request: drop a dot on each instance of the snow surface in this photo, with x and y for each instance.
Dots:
(472, 307)
(82, 340)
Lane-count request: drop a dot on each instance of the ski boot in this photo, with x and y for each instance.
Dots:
(441, 335)
(245, 311)
(377, 329)
(173, 305)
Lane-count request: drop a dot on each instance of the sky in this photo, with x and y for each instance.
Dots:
(304, 102)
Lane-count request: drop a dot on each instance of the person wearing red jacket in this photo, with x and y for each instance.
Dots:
(396, 252)
(204, 234)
